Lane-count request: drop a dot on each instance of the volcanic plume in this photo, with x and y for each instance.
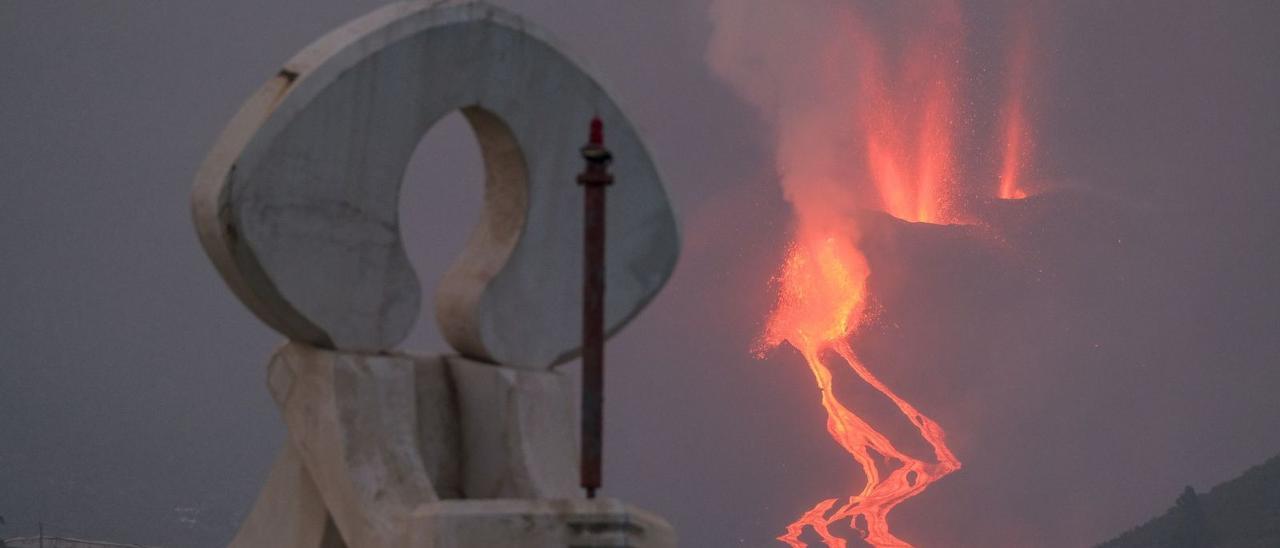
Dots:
(865, 118)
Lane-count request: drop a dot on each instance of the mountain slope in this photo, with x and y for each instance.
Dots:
(1241, 513)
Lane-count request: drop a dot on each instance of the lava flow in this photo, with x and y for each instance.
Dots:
(821, 302)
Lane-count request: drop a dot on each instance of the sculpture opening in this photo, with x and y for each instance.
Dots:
(493, 236)
(440, 202)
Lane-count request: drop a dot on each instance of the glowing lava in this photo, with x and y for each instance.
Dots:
(822, 297)
(1014, 131)
(906, 117)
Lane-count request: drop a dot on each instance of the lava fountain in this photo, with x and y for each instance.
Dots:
(864, 120)
(1014, 134)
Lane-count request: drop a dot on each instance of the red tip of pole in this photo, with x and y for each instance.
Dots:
(597, 131)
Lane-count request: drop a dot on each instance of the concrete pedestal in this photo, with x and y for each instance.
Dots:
(393, 450)
(559, 523)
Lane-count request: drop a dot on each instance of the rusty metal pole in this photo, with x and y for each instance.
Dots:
(594, 178)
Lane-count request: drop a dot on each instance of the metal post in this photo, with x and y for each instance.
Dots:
(41, 525)
(594, 178)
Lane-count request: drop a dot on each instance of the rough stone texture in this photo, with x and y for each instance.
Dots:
(297, 202)
(375, 437)
(289, 511)
(439, 427)
(353, 420)
(519, 431)
(576, 523)
(62, 542)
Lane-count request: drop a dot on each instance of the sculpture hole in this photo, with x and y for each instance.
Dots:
(440, 204)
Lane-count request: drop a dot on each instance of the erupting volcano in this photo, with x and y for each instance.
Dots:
(873, 126)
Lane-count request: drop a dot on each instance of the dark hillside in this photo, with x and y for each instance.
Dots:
(1241, 513)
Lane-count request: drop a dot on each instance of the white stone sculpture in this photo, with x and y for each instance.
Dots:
(297, 202)
(297, 207)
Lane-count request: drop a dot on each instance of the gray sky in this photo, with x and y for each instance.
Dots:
(1115, 343)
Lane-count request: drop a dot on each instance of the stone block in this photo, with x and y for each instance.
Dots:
(519, 431)
(353, 421)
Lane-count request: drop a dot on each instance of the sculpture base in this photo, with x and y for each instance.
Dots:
(559, 523)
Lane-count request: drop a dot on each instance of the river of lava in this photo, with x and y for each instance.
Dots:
(822, 299)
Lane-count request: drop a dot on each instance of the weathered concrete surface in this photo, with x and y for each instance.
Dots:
(519, 431)
(373, 437)
(289, 511)
(62, 542)
(297, 202)
(597, 523)
(353, 421)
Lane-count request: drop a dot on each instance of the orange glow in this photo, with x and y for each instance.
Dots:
(1014, 133)
(906, 117)
(822, 291)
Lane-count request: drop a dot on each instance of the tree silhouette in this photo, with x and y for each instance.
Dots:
(1191, 529)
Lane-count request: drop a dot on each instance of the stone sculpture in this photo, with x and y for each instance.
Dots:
(297, 207)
